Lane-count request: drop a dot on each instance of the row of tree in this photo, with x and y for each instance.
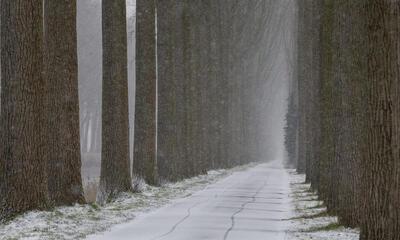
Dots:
(343, 128)
(200, 100)
(201, 78)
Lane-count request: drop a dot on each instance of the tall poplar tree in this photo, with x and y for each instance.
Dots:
(62, 103)
(23, 180)
(145, 155)
(167, 154)
(115, 168)
(381, 198)
(302, 43)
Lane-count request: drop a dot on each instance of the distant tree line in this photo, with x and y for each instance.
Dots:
(347, 121)
(201, 74)
(203, 113)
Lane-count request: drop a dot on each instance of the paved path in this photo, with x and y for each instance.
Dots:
(247, 205)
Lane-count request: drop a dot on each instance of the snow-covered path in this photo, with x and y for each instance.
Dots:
(247, 205)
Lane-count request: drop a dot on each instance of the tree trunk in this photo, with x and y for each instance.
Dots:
(179, 66)
(212, 96)
(315, 121)
(145, 152)
(188, 90)
(115, 171)
(350, 125)
(302, 44)
(23, 180)
(327, 144)
(167, 92)
(62, 105)
(381, 218)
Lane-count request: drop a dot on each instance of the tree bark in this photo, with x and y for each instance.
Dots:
(62, 105)
(327, 144)
(381, 218)
(145, 152)
(23, 179)
(179, 70)
(315, 121)
(115, 171)
(302, 44)
(351, 78)
(167, 91)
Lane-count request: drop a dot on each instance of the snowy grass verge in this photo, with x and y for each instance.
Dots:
(79, 221)
(311, 220)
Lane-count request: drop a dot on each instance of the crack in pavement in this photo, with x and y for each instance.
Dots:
(179, 222)
(267, 198)
(241, 209)
(253, 209)
(189, 213)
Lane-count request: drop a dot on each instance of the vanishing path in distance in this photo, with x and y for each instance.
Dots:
(247, 205)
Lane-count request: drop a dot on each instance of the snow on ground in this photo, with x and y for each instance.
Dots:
(308, 220)
(81, 220)
(253, 205)
(311, 220)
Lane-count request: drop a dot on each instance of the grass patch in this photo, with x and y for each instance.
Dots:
(329, 227)
(305, 194)
(316, 199)
(301, 191)
(94, 206)
(317, 215)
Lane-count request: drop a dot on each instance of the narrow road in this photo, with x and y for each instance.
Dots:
(247, 205)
